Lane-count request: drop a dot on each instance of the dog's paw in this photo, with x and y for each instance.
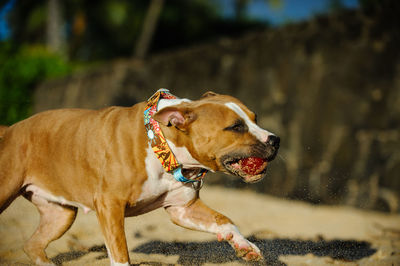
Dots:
(244, 249)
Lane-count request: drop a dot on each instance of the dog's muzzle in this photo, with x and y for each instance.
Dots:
(252, 166)
(274, 143)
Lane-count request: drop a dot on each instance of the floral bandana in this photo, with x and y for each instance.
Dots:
(158, 142)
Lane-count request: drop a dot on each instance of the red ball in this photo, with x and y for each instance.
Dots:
(253, 165)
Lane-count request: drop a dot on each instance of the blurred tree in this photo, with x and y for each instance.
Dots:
(54, 34)
(184, 23)
(240, 9)
(336, 5)
(20, 71)
(113, 29)
(86, 32)
(28, 22)
(149, 26)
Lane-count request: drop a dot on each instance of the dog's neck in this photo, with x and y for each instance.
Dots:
(183, 167)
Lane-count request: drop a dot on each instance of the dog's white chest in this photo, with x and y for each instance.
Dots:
(160, 183)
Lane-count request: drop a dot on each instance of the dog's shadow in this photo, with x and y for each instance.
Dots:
(198, 253)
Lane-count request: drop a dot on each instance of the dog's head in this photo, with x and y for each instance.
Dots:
(222, 134)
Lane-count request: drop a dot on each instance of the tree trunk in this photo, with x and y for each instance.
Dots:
(149, 26)
(54, 36)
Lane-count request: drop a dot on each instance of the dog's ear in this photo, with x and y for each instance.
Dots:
(209, 94)
(175, 116)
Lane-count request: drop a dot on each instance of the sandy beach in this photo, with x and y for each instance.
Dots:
(287, 232)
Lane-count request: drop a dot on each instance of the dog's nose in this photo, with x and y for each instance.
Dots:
(274, 141)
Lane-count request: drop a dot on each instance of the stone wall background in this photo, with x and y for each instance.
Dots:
(329, 87)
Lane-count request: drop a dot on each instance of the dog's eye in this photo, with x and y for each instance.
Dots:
(239, 127)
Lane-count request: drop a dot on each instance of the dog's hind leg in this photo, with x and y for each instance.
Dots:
(55, 220)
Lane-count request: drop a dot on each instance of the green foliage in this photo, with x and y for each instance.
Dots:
(20, 71)
(110, 29)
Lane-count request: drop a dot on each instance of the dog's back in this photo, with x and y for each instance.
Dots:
(2, 130)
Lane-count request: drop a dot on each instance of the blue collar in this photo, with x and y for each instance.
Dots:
(179, 176)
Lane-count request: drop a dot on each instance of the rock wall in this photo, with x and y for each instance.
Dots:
(330, 87)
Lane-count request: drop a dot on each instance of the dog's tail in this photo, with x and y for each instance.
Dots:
(2, 130)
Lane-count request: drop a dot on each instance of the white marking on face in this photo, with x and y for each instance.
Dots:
(261, 134)
(41, 193)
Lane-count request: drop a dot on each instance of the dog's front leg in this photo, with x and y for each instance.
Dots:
(111, 215)
(198, 216)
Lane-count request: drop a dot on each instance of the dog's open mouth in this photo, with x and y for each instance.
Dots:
(251, 169)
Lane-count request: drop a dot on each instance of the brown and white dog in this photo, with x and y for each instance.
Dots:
(66, 159)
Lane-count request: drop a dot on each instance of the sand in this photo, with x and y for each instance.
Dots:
(287, 232)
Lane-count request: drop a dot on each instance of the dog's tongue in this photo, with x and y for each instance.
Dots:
(252, 165)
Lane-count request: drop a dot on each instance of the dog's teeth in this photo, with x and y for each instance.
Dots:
(236, 165)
